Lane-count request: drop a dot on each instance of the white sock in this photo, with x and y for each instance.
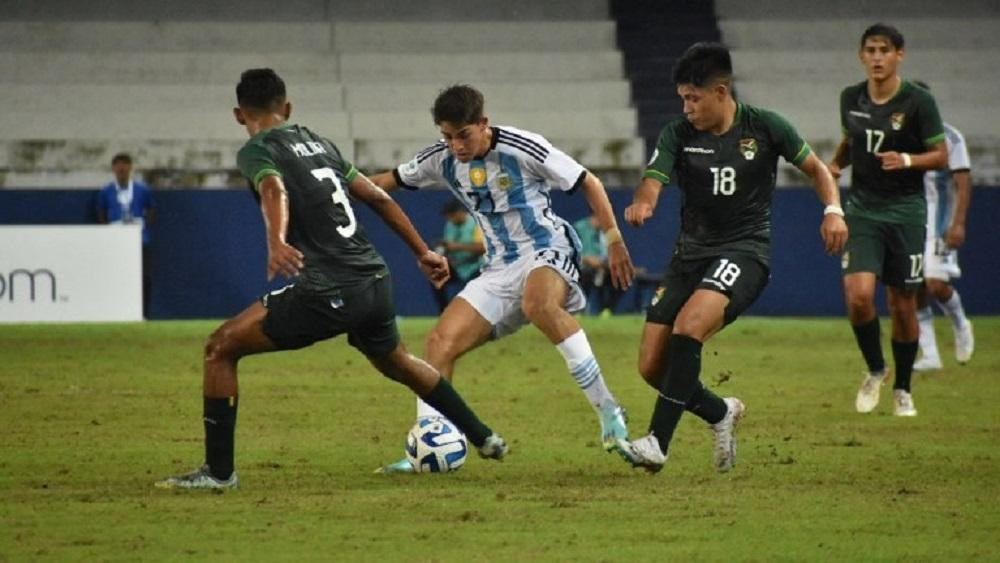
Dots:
(953, 308)
(928, 340)
(426, 411)
(584, 369)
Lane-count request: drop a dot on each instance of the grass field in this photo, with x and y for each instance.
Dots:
(91, 415)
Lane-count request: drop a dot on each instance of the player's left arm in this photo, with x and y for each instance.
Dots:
(833, 229)
(963, 195)
(432, 264)
(619, 261)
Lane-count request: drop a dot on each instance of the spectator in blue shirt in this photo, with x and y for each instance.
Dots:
(125, 201)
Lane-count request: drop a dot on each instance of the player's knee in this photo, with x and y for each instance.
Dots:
(538, 308)
(650, 372)
(440, 347)
(860, 303)
(940, 290)
(219, 345)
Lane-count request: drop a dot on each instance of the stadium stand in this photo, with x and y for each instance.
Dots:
(83, 84)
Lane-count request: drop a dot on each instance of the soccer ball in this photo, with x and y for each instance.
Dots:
(435, 445)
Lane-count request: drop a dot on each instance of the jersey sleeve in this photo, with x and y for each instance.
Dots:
(424, 170)
(661, 164)
(558, 169)
(786, 139)
(256, 163)
(958, 152)
(346, 167)
(929, 120)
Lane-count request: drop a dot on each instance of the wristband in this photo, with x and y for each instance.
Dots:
(613, 235)
(907, 161)
(835, 209)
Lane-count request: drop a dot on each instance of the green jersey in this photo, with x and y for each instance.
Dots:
(727, 181)
(909, 123)
(321, 222)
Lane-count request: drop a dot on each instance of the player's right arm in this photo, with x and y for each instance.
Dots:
(841, 158)
(432, 264)
(656, 175)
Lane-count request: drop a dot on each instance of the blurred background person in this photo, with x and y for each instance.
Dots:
(124, 201)
(601, 295)
(462, 244)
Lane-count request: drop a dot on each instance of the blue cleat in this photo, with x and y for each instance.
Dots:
(401, 466)
(613, 426)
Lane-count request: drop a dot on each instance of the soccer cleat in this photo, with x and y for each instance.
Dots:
(965, 343)
(867, 398)
(494, 448)
(200, 478)
(927, 363)
(724, 452)
(644, 452)
(903, 403)
(401, 466)
(613, 427)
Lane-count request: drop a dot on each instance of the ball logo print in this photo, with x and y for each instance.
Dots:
(434, 445)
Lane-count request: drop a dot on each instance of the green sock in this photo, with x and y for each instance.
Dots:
(706, 405)
(677, 388)
(448, 402)
(220, 431)
(903, 354)
(868, 336)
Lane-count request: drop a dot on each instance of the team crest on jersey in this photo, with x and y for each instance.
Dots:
(897, 120)
(478, 177)
(660, 292)
(748, 147)
(503, 181)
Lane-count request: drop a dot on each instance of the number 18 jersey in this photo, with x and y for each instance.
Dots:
(727, 180)
(321, 221)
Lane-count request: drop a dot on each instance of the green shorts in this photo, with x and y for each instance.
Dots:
(892, 251)
(739, 277)
(298, 317)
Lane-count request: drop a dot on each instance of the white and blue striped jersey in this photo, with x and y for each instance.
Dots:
(507, 191)
(939, 188)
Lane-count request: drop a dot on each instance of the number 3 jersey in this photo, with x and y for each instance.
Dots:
(910, 123)
(727, 180)
(321, 222)
(506, 190)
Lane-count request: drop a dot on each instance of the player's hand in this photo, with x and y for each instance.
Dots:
(637, 213)
(955, 236)
(835, 170)
(834, 233)
(620, 264)
(435, 268)
(891, 160)
(283, 259)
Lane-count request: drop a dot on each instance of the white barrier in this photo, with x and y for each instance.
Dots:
(70, 273)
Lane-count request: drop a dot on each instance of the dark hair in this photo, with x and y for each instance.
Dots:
(883, 30)
(121, 157)
(453, 206)
(260, 88)
(703, 64)
(922, 84)
(460, 104)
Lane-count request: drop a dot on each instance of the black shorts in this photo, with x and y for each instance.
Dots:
(894, 252)
(739, 277)
(298, 317)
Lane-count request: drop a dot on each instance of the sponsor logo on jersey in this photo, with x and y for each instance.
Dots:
(503, 181)
(699, 150)
(897, 120)
(478, 177)
(411, 167)
(749, 148)
(860, 114)
(660, 292)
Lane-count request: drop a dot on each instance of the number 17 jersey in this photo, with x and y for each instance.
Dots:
(727, 180)
(321, 220)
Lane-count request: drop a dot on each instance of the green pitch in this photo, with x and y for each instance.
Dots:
(91, 415)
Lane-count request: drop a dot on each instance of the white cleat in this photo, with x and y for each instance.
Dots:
(200, 478)
(867, 398)
(927, 363)
(965, 343)
(724, 452)
(903, 403)
(494, 448)
(644, 452)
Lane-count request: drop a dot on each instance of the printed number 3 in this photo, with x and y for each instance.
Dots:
(339, 198)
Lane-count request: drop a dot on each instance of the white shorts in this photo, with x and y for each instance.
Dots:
(496, 294)
(940, 261)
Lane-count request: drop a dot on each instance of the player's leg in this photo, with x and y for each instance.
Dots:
(950, 302)
(238, 337)
(903, 277)
(930, 358)
(547, 294)
(399, 365)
